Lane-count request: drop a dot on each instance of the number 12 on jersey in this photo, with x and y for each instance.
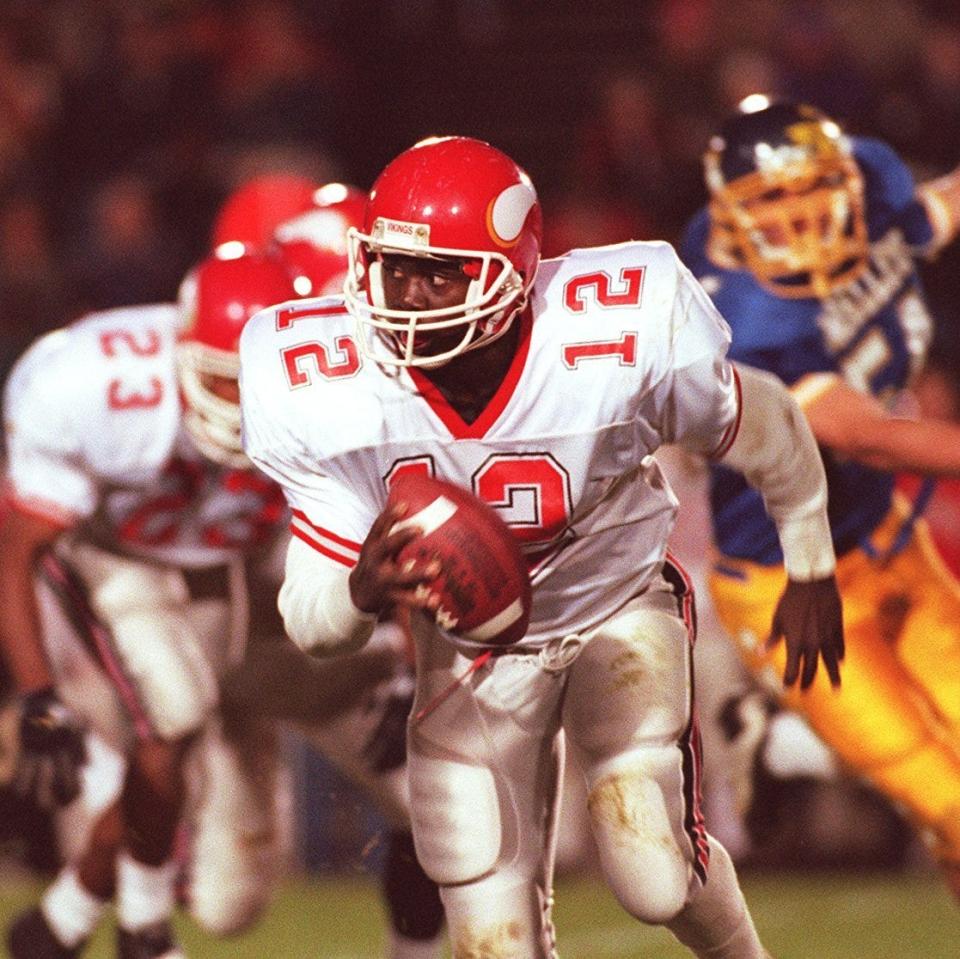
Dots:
(608, 294)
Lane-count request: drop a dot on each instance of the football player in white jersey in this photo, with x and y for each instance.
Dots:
(126, 479)
(545, 388)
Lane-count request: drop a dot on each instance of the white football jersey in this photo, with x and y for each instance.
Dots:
(93, 422)
(620, 352)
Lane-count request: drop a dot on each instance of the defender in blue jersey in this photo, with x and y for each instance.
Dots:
(808, 248)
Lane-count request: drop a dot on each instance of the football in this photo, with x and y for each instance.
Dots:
(483, 584)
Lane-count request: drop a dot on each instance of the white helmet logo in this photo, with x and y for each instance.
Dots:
(508, 212)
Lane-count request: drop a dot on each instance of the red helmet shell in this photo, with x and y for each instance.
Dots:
(251, 214)
(221, 294)
(313, 244)
(466, 194)
(349, 201)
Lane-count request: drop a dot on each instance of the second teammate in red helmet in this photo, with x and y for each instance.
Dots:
(124, 472)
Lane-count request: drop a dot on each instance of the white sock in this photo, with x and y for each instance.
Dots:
(403, 948)
(145, 894)
(716, 923)
(71, 910)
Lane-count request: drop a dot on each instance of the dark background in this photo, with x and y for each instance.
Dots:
(124, 124)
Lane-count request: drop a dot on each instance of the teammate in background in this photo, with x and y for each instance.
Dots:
(249, 216)
(808, 248)
(456, 352)
(128, 485)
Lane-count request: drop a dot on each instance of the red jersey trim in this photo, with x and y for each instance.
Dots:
(326, 533)
(320, 548)
(734, 428)
(479, 427)
(343, 551)
(41, 509)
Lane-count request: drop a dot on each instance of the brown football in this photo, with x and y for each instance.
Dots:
(484, 586)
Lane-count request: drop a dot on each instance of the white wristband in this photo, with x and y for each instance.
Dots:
(317, 609)
(806, 544)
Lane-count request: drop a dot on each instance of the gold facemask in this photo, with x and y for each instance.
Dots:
(797, 222)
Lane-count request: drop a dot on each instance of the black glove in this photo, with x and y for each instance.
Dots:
(810, 617)
(52, 750)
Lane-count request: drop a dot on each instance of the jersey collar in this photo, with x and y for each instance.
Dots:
(459, 429)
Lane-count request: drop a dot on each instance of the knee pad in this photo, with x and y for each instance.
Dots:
(235, 856)
(229, 903)
(233, 871)
(456, 816)
(503, 915)
(643, 850)
(175, 683)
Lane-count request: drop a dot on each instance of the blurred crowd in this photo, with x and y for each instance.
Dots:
(124, 124)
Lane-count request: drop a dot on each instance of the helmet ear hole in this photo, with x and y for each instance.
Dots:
(472, 268)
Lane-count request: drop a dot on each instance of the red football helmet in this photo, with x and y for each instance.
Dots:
(450, 197)
(314, 243)
(257, 207)
(216, 299)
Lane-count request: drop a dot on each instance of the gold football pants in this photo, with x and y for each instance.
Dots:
(896, 718)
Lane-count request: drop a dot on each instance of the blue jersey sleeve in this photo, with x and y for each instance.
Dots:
(693, 243)
(890, 191)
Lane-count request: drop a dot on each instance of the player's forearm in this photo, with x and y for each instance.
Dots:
(318, 613)
(941, 197)
(23, 537)
(777, 454)
(927, 446)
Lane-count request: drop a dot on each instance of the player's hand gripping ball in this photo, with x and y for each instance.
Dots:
(483, 584)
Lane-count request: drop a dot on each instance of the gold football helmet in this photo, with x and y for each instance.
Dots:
(787, 200)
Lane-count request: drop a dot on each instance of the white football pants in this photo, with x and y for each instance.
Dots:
(148, 666)
(484, 762)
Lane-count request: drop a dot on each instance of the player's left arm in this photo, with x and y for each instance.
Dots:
(776, 452)
(749, 420)
(941, 200)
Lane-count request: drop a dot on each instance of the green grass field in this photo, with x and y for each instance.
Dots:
(800, 917)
